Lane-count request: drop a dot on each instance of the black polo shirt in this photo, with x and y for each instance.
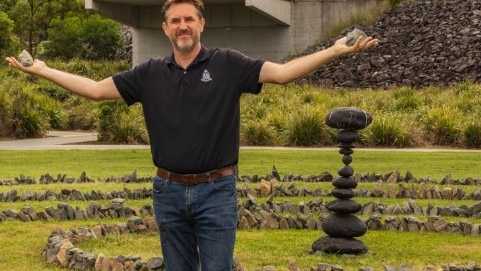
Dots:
(192, 115)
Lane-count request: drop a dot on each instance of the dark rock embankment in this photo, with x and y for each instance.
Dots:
(422, 43)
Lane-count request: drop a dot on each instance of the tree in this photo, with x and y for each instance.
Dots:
(32, 18)
(102, 38)
(65, 38)
(6, 5)
(93, 38)
(8, 43)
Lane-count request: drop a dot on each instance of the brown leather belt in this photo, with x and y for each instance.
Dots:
(193, 179)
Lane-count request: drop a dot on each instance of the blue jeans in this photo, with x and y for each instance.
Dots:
(197, 224)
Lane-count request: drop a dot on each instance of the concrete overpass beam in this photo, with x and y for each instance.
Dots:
(92, 5)
(126, 14)
(279, 10)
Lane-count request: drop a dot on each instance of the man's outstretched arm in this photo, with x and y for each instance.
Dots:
(102, 90)
(302, 66)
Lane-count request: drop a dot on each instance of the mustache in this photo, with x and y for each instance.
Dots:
(183, 32)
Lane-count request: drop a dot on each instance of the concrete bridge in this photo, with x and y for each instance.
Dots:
(268, 29)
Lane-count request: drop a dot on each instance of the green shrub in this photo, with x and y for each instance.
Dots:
(307, 128)
(96, 70)
(120, 124)
(278, 121)
(389, 131)
(82, 114)
(29, 113)
(53, 91)
(472, 135)
(8, 42)
(442, 125)
(101, 37)
(65, 38)
(94, 38)
(405, 100)
(4, 114)
(257, 133)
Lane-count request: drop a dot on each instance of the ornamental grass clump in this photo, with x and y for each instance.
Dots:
(389, 131)
(405, 100)
(257, 133)
(472, 135)
(442, 125)
(307, 128)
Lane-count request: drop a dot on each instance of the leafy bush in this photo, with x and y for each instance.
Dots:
(472, 135)
(101, 38)
(442, 126)
(281, 115)
(405, 100)
(93, 38)
(307, 128)
(389, 131)
(65, 38)
(96, 70)
(53, 91)
(257, 133)
(82, 114)
(118, 124)
(8, 43)
(4, 114)
(29, 113)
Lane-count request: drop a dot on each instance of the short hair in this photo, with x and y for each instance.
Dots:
(197, 4)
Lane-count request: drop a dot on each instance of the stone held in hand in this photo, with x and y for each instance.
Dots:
(354, 35)
(25, 58)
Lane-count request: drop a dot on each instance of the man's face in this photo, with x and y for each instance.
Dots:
(183, 27)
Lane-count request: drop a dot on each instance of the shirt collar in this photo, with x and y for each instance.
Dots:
(202, 56)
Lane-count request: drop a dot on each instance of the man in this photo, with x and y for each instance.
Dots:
(191, 107)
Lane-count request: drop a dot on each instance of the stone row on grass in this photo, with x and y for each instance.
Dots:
(286, 215)
(264, 188)
(61, 250)
(390, 177)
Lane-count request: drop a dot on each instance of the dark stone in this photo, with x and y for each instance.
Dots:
(348, 118)
(346, 151)
(343, 225)
(344, 182)
(343, 193)
(346, 145)
(325, 177)
(329, 244)
(347, 136)
(346, 159)
(343, 206)
(346, 171)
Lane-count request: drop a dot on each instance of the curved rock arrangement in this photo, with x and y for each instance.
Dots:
(392, 177)
(286, 215)
(60, 250)
(265, 189)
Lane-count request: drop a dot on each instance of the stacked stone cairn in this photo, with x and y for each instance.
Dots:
(342, 226)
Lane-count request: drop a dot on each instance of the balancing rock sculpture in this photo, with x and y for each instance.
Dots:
(342, 226)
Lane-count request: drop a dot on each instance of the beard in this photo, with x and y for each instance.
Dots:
(186, 46)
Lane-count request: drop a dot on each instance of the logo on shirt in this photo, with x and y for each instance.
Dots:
(206, 76)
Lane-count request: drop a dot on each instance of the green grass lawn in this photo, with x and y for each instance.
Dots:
(106, 163)
(22, 243)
